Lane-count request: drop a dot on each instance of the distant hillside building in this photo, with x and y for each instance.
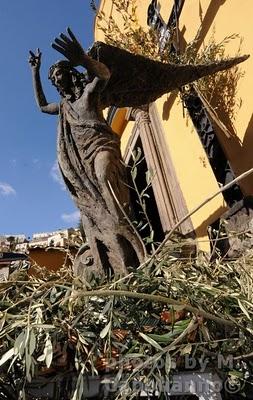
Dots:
(46, 249)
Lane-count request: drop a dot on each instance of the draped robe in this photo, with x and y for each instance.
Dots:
(90, 162)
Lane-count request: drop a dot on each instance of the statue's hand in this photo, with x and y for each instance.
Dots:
(35, 59)
(70, 48)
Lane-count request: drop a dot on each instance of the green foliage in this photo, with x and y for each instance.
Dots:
(139, 327)
(131, 35)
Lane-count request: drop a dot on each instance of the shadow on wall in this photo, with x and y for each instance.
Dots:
(222, 96)
(208, 19)
(248, 137)
(168, 104)
(206, 23)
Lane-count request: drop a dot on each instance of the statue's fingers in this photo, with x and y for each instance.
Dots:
(32, 54)
(38, 53)
(59, 49)
(31, 61)
(65, 38)
(61, 43)
(71, 34)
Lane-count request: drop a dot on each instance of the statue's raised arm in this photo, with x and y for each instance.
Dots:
(73, 51)
(44, 106)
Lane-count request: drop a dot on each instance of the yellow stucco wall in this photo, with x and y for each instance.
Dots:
(223, 18)
(220, 18)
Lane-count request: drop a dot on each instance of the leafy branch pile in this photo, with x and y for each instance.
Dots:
(144, 326)
(141, 327)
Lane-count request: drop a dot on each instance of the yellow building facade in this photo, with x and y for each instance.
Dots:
(184, 159)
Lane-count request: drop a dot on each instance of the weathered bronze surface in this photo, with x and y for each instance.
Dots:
(90, 161)
(136, 80)
(89, 151)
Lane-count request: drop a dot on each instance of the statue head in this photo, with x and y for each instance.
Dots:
(67, 79)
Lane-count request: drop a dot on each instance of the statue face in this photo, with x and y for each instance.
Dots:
(61, 78)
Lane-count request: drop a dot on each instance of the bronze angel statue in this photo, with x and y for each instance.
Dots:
(88, 150)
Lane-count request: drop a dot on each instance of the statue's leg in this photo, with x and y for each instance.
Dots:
(113, 245)
(124, 247)
(107, 253)
(111, 178)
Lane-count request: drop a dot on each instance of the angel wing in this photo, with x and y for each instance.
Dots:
(137, 80)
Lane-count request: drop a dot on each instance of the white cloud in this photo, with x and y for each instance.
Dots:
(35, 161)
(72, 218)
(13, 162)
(6, 189)
(56, 175)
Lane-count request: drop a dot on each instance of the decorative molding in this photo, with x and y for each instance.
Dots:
(168, 195)
(175, 202)
(111, 114)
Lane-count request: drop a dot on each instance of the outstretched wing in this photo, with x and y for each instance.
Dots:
(137, 80)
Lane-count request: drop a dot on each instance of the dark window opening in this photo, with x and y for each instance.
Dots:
(149, 199)
(219, 164)
(216, 156)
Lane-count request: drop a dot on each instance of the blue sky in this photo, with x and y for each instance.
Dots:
(31, 197)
